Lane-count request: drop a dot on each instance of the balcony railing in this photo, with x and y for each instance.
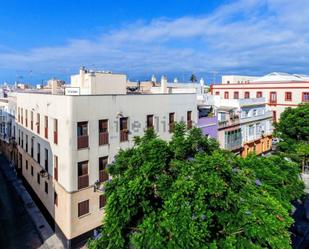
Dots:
(233, 145)
(82, 142)
(124, 135)
(227, 123)
(103, 176)
(55, 137)
(103, 138)
(56, 174)
(171, 127)
(189, 124)
(83, 181)
(273, 101)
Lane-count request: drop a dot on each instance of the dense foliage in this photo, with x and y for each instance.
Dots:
(293, 131)
(187, 193)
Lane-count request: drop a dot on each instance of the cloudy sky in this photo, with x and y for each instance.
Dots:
(53, 38)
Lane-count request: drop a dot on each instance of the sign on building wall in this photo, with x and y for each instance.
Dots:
(72, 91)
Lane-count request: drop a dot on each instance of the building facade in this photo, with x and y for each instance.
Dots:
(244, 125)
(66, 142)
(280, 90)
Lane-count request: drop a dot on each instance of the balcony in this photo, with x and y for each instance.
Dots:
(233, 145)
(83, 181)
(103, 176)
(103, 138)
(124, 135)
(266, 115)
(189, 124)
(230, 122)
(55, 137)
(56, 174)
(82, 142)
(171, 127)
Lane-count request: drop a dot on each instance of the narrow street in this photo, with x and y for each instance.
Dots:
(16, 229)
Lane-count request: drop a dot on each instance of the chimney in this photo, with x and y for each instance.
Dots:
(163, 84)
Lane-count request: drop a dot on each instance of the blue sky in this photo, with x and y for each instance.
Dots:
(53, 38)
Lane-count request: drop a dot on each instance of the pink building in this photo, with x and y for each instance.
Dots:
(281, 90)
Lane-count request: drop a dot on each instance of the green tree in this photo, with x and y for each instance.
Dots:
(187, 193)
(193, 78)
(293, 131)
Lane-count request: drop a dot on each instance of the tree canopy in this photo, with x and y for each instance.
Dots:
(187, 193)
(293, 131)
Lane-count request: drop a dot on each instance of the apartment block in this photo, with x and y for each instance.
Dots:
(66, 141)
(280, 90)
(244, 125)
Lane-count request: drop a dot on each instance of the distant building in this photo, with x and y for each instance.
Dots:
(244, 125)
(280, 90)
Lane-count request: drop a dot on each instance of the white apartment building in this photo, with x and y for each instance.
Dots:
(245, 125)
(65, 142)
(281, 90)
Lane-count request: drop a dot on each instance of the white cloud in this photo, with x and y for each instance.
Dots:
(246, 36)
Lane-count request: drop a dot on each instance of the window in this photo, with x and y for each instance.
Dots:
(38, 123)
(31, 120)
(171, 122)
(189, 119)
(39, 153)
(38, 178)
(83, 208)
(82, 135)
(18, 137)
(83, 178)
(46, 187)
(32, 145)
(22, 139)
(103, 131)
(236, 95)
(18, 114)
(46, 160)
(27, 143)
(124, 133)
(226, 95)
(150, 122)
(31, 170)
(55, 198)
(259, 94)
(305, 97)
(217, 93)
(251, 130)
(272, 97)
(103, 176)
(26, 118)
(288, 96)
(247, 95)
(46, 127)
(55, 168)
(22, 115)
(274, 116)
(55, 131)
(102, 201)
(26, 164)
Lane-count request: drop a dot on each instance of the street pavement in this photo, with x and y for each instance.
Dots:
(17, 230)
